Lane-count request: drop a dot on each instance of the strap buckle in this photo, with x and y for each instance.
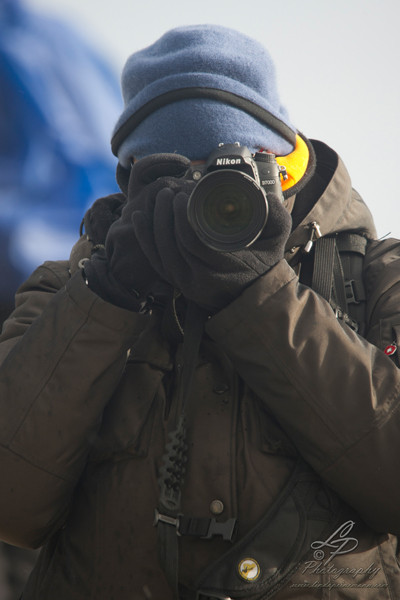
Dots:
(204, 529)
(160, 518)
(224, 529)
(350, 292)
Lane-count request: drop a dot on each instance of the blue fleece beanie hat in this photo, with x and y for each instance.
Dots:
(196, 87)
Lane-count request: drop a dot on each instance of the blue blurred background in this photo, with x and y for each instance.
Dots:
(58, 103)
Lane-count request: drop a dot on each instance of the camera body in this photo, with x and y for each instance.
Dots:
(228, 207)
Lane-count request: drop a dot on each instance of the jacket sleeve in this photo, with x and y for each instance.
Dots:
(334, 393)
(62, 352)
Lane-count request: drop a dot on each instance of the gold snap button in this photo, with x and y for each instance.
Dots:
(217, 507)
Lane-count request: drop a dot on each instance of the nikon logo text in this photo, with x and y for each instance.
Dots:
(228, 161)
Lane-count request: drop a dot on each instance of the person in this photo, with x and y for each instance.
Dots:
(180, 421)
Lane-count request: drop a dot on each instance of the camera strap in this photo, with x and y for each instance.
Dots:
(168, 519)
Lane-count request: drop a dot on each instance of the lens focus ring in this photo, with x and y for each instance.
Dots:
(228, 210)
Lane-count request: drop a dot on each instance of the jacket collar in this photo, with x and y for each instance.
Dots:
(339, 207)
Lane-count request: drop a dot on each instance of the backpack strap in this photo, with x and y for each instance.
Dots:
(337, 276)
(324, 259)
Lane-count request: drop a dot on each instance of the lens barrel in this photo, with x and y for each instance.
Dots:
(228, 210)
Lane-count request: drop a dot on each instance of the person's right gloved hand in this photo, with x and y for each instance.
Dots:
(119, 271)
(204, 276)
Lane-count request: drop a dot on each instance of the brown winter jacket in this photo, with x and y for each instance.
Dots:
(293, 427)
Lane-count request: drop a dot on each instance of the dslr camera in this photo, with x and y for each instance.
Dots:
(228, 208)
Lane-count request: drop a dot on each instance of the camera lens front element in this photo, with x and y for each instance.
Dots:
(228, 210)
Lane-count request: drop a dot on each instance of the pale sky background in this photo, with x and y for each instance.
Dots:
(337, 64)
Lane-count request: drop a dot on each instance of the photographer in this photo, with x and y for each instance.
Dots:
(182, 421)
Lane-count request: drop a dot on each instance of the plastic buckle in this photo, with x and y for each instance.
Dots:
(225, 529)
(349, 291)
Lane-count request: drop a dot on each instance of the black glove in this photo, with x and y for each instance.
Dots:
(209, 278)
(100, 216)
(118, 270)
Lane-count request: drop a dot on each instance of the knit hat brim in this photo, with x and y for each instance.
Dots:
(179, 127)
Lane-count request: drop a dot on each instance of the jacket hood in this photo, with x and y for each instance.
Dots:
(338, 206)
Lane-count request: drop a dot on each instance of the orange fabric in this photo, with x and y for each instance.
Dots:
(295, 163)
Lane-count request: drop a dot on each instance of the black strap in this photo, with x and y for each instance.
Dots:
(324, 258)
(339, 289)
(253, 109)
(337, 275)
(166, 517)
(173, 468)
(352, 249)
(352, 242)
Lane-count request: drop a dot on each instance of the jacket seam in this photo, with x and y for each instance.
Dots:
(89, 310)
(45, 383)
(31, 462)
(240, 314)
(45, 266)
(299, 386)
(377, 424)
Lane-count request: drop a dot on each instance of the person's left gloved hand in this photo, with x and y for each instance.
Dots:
(118, 270)
(209, 278)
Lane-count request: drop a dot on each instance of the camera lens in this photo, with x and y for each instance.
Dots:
(228, 210)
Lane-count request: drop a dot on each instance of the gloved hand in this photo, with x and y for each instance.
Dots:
(209, 278)
(100, 216)
(119, 271)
